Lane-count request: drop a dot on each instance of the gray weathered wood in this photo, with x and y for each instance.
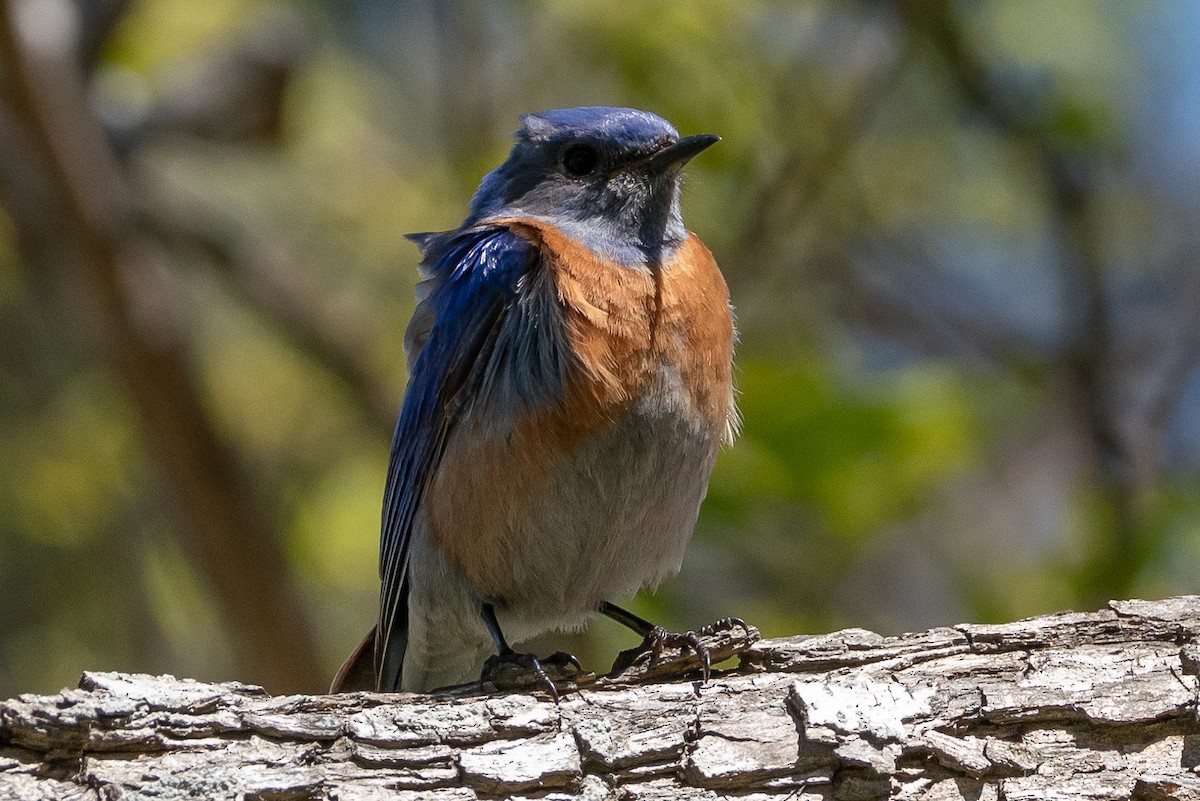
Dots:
(1068, 706)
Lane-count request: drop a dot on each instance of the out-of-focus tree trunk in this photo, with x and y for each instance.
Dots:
(80, 221)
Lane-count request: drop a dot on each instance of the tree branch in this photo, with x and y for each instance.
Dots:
(1067, 706)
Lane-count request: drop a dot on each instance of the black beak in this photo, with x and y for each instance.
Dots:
(681, 152)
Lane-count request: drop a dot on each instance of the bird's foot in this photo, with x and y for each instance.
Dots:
(696, 648)
(509, 670)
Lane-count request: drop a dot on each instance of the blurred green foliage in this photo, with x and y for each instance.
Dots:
(912, 454)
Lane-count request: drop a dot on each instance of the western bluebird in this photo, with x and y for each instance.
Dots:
(570, 364)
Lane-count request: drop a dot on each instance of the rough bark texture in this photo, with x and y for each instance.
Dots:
(1089, 706)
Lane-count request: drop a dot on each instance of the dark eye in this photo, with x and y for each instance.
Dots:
(580, 160)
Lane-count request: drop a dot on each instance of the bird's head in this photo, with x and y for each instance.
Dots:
(607, 176)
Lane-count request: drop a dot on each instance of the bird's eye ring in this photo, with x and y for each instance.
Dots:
(580, 160)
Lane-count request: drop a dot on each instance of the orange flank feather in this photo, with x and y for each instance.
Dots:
(624, 325)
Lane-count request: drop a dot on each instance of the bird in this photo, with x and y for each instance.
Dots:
(570, 383)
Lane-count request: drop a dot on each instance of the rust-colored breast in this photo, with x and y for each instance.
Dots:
(609, 312)
(623, 325)
(695, 332)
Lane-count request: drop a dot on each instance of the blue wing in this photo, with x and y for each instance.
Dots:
(486, 336)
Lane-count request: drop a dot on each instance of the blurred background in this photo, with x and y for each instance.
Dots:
(961, 238)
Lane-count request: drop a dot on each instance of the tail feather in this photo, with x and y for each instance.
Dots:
(358, 671)
(390, 647)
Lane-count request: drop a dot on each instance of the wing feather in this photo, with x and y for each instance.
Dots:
(482, 335)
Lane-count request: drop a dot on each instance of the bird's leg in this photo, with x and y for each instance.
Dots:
(530, 664)
(656, 638)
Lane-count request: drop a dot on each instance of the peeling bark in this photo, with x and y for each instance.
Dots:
(1068, 706)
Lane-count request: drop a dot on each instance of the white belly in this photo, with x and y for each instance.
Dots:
(616, 517)
(613, 516)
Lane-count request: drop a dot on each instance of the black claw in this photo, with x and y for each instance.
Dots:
(562, 660)
(526, 662)
(657, 639)
(660, 638)
(726, 624)
(532, 667)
